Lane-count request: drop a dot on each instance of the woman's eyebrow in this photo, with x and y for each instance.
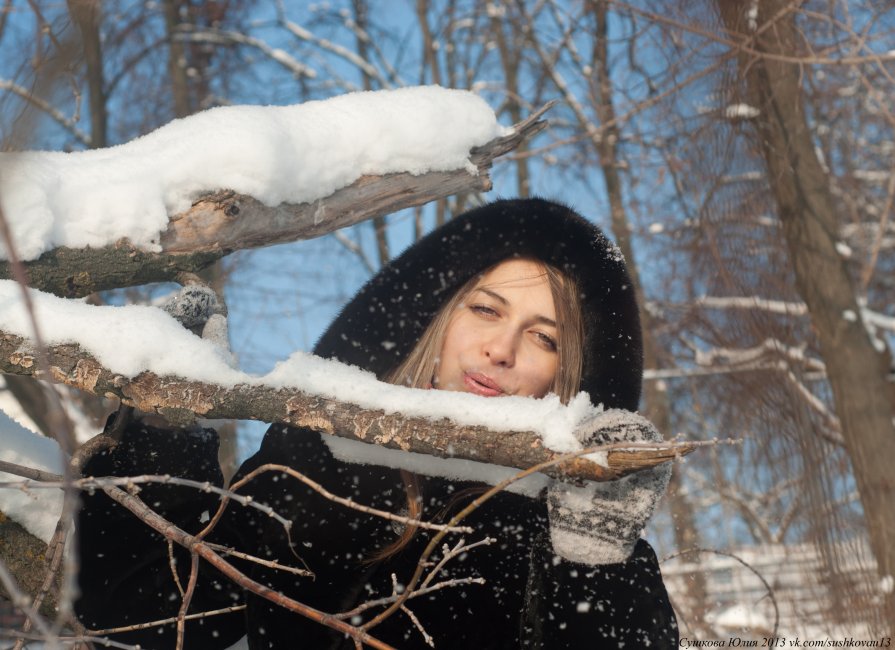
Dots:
(494, 295)
(543, 320)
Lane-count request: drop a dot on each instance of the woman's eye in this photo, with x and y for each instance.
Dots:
(547, 341)
(483, 310)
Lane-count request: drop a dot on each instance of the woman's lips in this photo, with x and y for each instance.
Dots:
(481, 384)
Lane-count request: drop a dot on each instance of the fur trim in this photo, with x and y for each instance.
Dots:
(378, 328)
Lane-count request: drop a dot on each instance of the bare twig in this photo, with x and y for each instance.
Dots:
(23, 602)
(187, 598)
(165, 621)
(193, 34)
(69, 639)
(349, 503)
(200, 548)
(423, 561)
(69, 123)
(425, 586)
(227, 551)
(172, 565)
(767, 586)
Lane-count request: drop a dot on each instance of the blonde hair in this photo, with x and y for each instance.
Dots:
(419, 367)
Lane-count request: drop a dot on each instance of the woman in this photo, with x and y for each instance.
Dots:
(519, 297)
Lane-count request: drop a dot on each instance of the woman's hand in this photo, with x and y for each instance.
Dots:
(199, 309)
(599, 523)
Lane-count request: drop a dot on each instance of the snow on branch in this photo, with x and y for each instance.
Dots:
(787, 308)
(754, 302)
(242, 177)
(174, 398)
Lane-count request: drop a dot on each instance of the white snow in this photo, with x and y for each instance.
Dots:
(752, 15)
(754, 302)
(740, 616)
(457, 469)
(36, 510)
(741, 112)
(547, 416)
(887, 584)
(844, 249)
(277, 154)
(126, 340)
(130, 339)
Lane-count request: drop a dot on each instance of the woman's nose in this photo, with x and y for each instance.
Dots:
(500, 348)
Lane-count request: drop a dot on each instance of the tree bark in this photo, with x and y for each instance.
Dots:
(221, 223)
(86, 14)
(361, 10)
(511, 60)
(655, 399)
(25, 557)
(179, 400)
(855, 368)
(180, 86)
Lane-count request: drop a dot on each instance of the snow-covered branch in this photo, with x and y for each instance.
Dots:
(191, 34)
(753, 302)
(870, 317)
(280, 192)
(178, 399)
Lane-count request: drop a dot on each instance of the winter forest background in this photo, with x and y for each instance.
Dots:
(741, 153)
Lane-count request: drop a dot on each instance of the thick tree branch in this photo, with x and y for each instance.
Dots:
(178, 399)
(223, 222)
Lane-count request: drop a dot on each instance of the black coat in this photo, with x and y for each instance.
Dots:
(530, 598)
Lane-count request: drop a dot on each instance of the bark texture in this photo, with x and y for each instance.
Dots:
(223, 222)
(86, 14)
(178, 400)
(655, 399)
(807, 210)
(25, 557)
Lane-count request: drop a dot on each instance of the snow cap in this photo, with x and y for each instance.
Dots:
(379, 327)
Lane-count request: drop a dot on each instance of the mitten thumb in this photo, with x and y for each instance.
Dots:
(599, 523)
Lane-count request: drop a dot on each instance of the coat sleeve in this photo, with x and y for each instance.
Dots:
(571, 605)
(125, 573)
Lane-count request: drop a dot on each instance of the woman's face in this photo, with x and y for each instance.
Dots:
(502, 340)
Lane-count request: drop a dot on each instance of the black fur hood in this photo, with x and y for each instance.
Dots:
(380, 325)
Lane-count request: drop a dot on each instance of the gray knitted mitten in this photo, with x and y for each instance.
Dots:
(199, 309)
(599, 523)
(193, 305)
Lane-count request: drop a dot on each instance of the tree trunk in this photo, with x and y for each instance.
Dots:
(85, 13)
(655, 399)
(510, 60)
(180, 87)
(380, 226)
(855, 368)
